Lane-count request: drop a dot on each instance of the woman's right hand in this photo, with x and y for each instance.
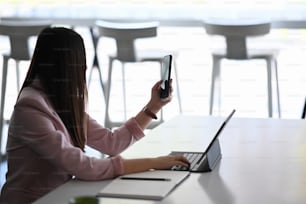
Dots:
(166, 162)
(158, 163)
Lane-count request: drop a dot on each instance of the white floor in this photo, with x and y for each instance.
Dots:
(243, 83)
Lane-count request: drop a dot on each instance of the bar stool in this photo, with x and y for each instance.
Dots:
(125, 35)
(18, 33)
(236, 33)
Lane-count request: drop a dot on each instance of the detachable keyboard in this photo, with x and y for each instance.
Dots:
(192, 157)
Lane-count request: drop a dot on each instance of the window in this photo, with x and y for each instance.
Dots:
(158, 9)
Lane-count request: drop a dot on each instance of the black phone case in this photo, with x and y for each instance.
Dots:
(164, 93)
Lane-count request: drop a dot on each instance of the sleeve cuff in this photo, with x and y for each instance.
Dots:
(118, 165)
(134, 128)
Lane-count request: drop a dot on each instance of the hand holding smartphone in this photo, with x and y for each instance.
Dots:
(165, 76)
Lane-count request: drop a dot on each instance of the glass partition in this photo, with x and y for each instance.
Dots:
(172, 10)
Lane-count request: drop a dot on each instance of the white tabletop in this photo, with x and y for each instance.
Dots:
(263, 161)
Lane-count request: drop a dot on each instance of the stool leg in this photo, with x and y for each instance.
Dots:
(107, 122)
(89, 77)
(3, 90)
(177, 87)
(95, 40)
(161, 73)
(269, 86)
(18, 75)
(95, 64)
(100, 79)
(277, 87)
(124, 90)
(215, 78)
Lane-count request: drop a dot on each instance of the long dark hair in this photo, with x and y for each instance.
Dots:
(59, 62)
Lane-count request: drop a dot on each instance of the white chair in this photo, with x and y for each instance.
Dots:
(125, 34)
(236, 34)
(19, 33)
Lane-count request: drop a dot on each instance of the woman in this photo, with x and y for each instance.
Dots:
(49, 127)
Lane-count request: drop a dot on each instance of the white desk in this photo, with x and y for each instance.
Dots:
(264, 161)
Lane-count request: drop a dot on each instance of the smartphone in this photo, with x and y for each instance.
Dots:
(165, 76)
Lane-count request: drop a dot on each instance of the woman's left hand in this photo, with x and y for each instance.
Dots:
(156, 103)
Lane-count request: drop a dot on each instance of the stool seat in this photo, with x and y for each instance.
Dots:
(252, 54)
